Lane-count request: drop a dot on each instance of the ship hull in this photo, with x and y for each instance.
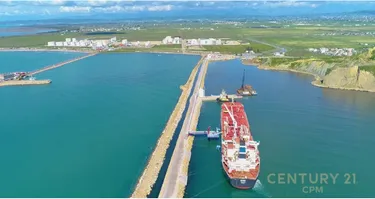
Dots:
(228, 100)
(244, 94)
(240, 183)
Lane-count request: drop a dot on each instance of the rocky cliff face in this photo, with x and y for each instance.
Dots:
(341, 75)
(350, 78)
(312, 66)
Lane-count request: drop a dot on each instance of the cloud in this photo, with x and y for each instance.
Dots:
(74, 9)
(160, 8)
(287, 4)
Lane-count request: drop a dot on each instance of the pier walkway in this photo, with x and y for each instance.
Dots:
(214, 97)
(60, 64)
(175, 176)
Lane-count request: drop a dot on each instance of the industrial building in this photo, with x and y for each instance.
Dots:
(172, 40)
(73, 42)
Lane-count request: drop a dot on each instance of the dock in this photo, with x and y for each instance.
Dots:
(208, 134)
(175, 180)
(50, 67)
(24, 82)
(214, 97)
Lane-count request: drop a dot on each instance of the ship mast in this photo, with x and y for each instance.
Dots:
(243, 79)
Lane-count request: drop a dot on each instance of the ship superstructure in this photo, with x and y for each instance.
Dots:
(240, 154)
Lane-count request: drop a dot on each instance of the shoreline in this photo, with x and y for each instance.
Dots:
(315, 82)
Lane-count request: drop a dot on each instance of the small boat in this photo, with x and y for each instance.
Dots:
(246, 90)
(224, 97)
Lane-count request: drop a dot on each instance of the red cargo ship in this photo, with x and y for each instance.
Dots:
(239, 152)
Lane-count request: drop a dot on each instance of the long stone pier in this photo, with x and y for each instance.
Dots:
(175, 179)
(153, 167)
(60, 64)
(24, 82)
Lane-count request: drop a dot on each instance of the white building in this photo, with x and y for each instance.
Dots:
(176, 40)
(218, 42)
(59, 43)
(82, 43)
(74, 40)
(193, 42)
(147, 44)
(124, 41)
(51, 43)
(65, 43)
(113, 39)
(68, 39)
(167, 40)
(278, 54)
(205, 42)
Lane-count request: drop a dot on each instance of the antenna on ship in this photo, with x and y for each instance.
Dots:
(243, 79)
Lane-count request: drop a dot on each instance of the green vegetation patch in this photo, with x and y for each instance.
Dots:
(280, 61)
(370, 69)
(237, 49)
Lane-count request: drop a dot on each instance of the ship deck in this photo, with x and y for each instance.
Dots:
(231, 134)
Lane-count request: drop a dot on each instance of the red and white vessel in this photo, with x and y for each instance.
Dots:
(239, 152)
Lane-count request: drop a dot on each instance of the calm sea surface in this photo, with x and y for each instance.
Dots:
(89, 133)
(29, 61)
(301, 129)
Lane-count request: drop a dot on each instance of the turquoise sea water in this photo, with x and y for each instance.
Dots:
(29, 61)
(89, 133)
(301, 129)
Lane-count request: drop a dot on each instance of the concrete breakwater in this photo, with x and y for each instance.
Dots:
(190, 139)
(24, 82)
(155, 162)
(175, 179)
(60, 64)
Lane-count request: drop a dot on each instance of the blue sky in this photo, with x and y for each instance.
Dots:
(44, 9)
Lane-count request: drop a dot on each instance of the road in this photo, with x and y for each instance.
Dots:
(171, 181)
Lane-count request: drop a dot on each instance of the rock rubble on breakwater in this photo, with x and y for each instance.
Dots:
(24, 82)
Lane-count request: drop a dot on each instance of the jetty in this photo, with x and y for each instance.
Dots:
(50, 67)
(156, 159)
(175, 180)
(214, 97)
(24, 82)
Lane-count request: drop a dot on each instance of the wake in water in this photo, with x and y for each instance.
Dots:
(260, 189)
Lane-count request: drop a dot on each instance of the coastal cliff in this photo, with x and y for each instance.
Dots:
(351, 78)
(355, 73)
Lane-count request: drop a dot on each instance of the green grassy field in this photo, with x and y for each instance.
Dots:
(237, 49)
(296, 39)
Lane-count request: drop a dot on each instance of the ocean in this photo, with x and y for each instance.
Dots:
(25, 61)
(301, 129)
(90, 132)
